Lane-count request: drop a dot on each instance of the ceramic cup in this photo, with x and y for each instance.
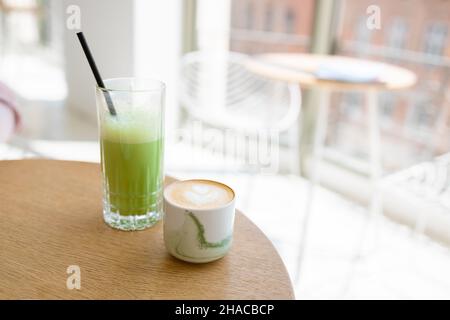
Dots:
(201, 229)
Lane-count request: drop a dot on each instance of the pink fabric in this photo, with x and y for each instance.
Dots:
(8, 100)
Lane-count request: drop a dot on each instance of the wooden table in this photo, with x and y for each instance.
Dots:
(302, 69)
(51, 218)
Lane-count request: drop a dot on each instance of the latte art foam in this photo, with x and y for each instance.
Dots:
(199, 194)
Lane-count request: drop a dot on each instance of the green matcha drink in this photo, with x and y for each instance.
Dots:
(132, 163)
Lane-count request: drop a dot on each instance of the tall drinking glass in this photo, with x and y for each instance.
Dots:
(131, 131)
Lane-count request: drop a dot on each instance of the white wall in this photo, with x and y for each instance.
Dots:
(213, 24)
(108, 27)
(158, 39)
(213, 36)
(127, 38)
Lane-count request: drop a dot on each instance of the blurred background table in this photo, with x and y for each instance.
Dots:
(303, 68)
(51, 217)
(333, 73)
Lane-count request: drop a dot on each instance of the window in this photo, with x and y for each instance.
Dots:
(387, 107)
(271, 26)
(249, 21)
(435, 37)
(289, 20)
(268, 21)
(31, 48)
(351, 106)
(363, 34)
(421, 114)
(396, 36)
(405, 39)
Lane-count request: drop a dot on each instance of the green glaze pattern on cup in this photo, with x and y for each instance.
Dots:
(198, 235)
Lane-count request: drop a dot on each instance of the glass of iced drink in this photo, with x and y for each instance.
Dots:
(132, 149)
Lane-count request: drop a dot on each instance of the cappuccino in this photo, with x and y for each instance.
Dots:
(199, 194)
(198, 220)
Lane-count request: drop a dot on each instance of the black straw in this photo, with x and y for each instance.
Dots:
(96, 73)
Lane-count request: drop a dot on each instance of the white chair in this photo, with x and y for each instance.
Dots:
(428, 182)
(217, 90)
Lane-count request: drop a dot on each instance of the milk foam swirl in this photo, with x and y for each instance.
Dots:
(199, 194)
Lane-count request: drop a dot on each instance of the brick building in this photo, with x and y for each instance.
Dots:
(413, 34)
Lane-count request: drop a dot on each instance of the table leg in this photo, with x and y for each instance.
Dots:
(317, 153)
(370, 230)
(294, 146)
